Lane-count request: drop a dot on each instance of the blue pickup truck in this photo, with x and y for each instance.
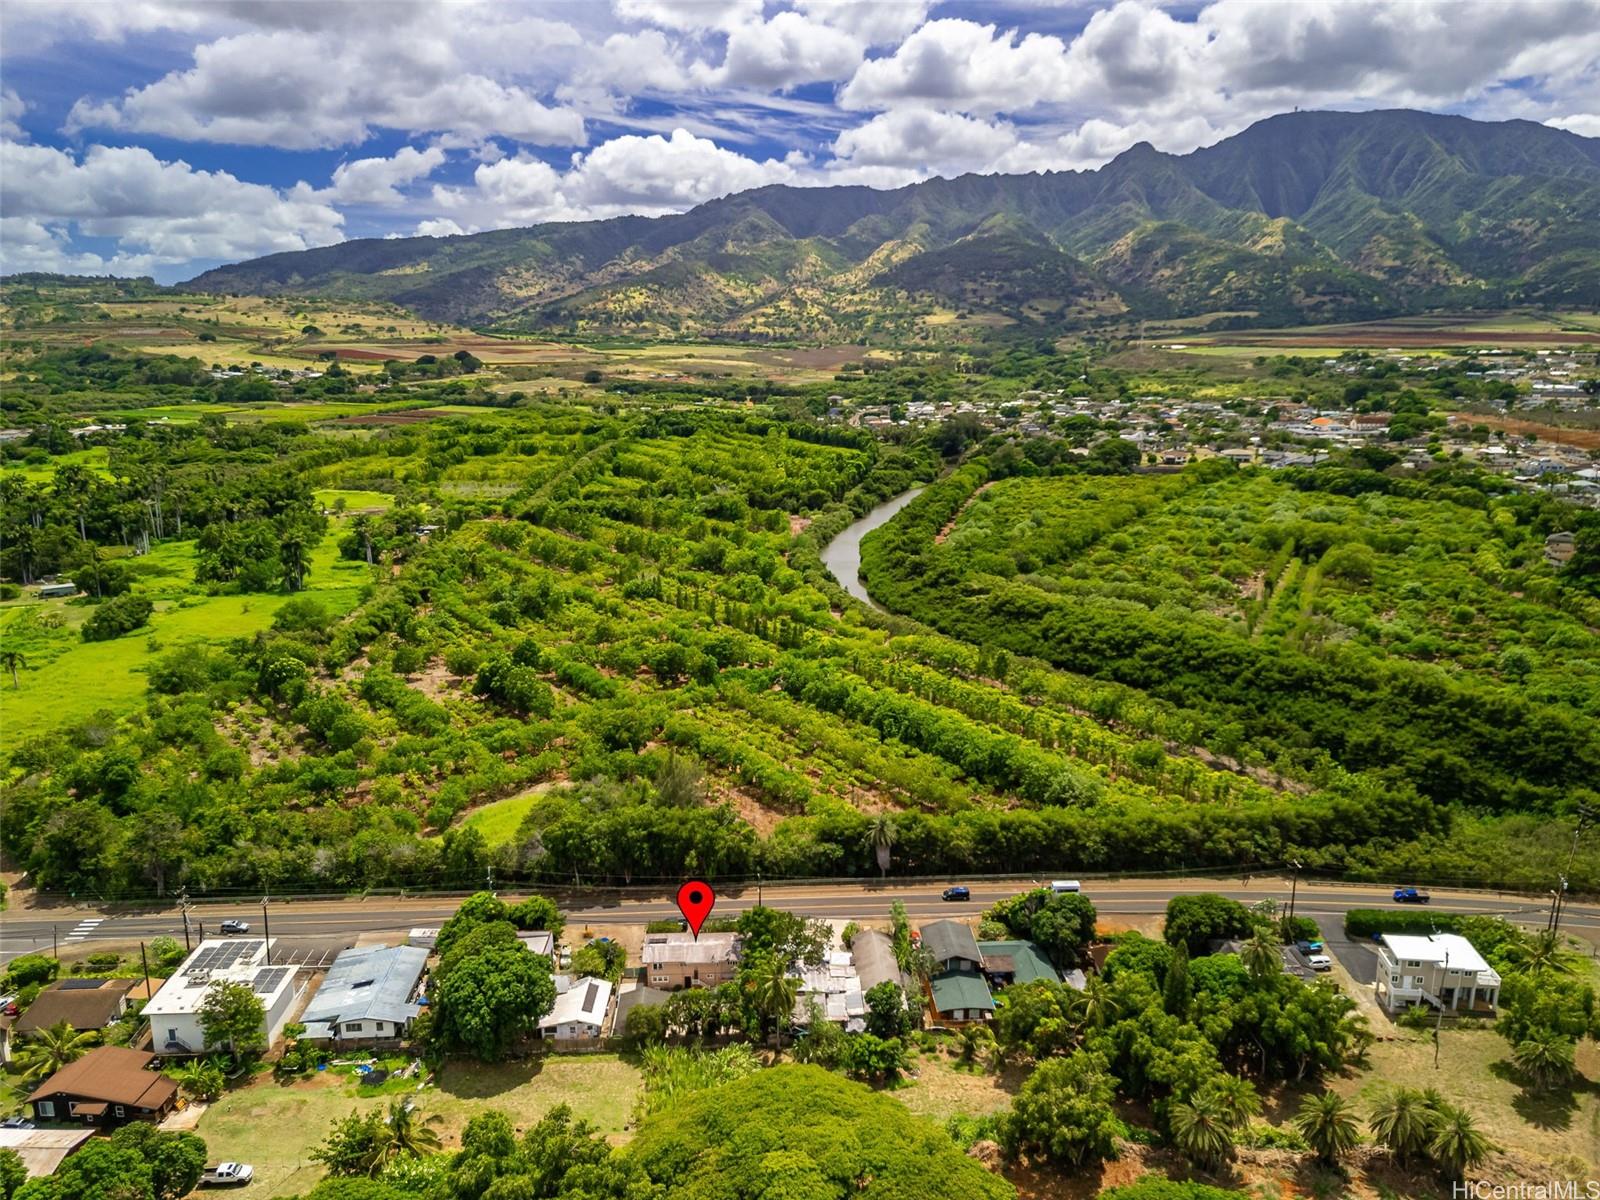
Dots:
(1410, 895)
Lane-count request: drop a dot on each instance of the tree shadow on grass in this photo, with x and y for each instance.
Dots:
(466, 1079)
(1551, 1109)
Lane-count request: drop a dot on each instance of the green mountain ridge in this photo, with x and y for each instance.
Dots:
(1302, 217)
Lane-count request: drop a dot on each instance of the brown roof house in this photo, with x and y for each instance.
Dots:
(108, 1086)
(82, 1003)
(680, 960)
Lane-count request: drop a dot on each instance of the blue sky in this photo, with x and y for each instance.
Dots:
(162, 137)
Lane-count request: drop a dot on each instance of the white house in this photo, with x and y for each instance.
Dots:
(174, 1011)
(1441, 969)
(369, 995)
(580, 1010)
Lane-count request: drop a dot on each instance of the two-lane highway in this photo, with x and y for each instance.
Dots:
(332, 923)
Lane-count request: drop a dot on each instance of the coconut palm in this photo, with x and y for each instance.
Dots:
(411, 1135)
(1202, 1130)
(12, 660)
(774, 991)
(1539, 954)
(1261, 955)
(294, 552)
(1328, 1125)
(1098, 1007)
(1403, 1120)
(882, 834)
(1545, 1058)
(48, 1050)
(1455, 1144)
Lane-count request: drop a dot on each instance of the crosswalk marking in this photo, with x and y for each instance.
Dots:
(83, 929)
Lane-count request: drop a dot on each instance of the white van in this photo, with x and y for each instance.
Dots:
(1061, 886)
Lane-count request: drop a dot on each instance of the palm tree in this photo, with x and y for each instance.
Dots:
(1403, 1120)
(1261, 955)
(363, 527)
(1545, 1058)
(774, 993)
(1328, 1125)
(295, 555)
(1098, 1006)
(1456, 1144)
(48, 1050)
(204, 1081)
(1539, 954)
(1236, 1098)
(11, 660)
(411, 1135)
(1202, 1130)
(881, 836)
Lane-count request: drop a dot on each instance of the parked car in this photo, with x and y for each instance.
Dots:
(228, 1174)
(235, 925)
(1410, 895)
(958, 893)
(1308, 947)
(17, 1123)
(1320, 962)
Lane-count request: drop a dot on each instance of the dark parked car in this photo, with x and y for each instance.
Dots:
(957, 893)
(234, 925)
(1410, 895)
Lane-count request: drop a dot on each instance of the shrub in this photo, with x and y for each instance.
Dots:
(1361, 924)
(31, 968)
(115, 617)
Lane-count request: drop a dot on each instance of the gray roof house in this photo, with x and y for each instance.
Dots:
(952, 945)
(369, 994)
(875, 962)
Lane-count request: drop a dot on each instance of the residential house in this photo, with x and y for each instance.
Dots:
(952, 945)
(1441, 969)
(1009, 962)
(679, 960)
(834, 988)
(369, 996)
(43, 1150)
(635, 998)
(580, 1010)
(873, 953)
(174, 1011)
(108, 1086)
(1559, 548)
(84, 1004)
(958, 990)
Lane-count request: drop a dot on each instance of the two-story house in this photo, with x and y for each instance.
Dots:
(1440, 969)
(680, 960)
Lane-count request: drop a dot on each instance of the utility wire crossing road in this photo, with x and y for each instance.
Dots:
(324, 924)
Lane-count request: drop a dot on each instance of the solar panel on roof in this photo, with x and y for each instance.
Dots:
(268, 978)
(588, 996)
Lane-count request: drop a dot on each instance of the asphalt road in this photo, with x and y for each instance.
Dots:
(316, 926)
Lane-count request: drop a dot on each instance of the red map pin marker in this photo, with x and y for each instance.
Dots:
(695, 901)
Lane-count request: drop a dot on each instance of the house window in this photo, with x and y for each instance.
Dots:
(45, 1108)
(121, 1112)
(353, 1027)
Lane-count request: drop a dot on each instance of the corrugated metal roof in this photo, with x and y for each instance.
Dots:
(369, 985)
(960, 989)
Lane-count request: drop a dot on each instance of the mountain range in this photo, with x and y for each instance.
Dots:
(1306, 216)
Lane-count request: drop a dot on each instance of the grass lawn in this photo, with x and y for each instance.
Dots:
(1474, 1072)
(95, 458)
(66, 679)
(500, 820)
(353, 498)
(940, 1091)
(275, 1128)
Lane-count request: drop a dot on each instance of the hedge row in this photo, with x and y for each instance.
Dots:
(1362, 923)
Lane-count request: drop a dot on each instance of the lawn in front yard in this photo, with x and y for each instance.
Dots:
(275, 1127)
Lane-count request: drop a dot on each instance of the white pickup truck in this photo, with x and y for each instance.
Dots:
(226, 1174)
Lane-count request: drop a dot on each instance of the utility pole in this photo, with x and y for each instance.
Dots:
(55, 951)
(1294, 885)
(183, 907)
(266, 929)
(1586, 817)
(1439, 1023)
(145, 963)
(488, 879)
(758, 887)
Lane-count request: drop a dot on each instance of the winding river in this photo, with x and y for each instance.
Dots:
(842, 556)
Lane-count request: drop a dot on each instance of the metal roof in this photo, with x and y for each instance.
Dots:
(951, 939)
(875, 962)
(1023, 960)
(369, 984)
(686, 948)
(960, 989)
(42, 1150)
(585, 1003)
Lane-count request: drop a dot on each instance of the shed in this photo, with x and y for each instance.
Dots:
(43, 1150)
